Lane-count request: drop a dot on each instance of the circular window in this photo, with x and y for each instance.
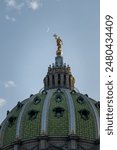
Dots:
(37, 100)
(73, 92)
(58, 98)
(58, 90)
(80, 100)
(44, 92)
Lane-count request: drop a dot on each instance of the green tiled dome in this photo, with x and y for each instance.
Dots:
(27, 123)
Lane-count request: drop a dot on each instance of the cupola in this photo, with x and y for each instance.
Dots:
(59, 74)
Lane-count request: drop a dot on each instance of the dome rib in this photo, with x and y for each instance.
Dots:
(20, 117)
(71, 109)
(45, 112)
(9, 134)
(3, 127)
(96, 116)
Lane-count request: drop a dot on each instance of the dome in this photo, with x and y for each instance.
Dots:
(58, 117)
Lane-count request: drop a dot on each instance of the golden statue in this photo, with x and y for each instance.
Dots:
(59, 43)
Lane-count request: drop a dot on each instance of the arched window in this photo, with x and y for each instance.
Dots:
(58, 79)
(48, 81)
(64, 79)
(45, 82)
(53, 80)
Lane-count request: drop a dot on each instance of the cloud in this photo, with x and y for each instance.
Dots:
(13, 19)
(9, 84)
(14, 5)
(34, 4)
(19, 4)
(2, 102)
(8, 18)
(11, 3)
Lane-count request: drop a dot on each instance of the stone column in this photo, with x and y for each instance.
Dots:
(17, 144)
(73, 82)
(50, 81)
(56, 80)
(70, 82)
(46, 82)
(62, 80)
(73, 142)
(43, 143)
(16, 147)
(67, 81)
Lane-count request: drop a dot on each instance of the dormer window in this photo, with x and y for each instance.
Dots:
(58, 79)
(58, 111)
(11, 120)
(84, 114)
(32, 114)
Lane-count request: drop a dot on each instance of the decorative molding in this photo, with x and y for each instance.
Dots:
(18, 125)
(71, 109)
(44, 117)
(96, 116)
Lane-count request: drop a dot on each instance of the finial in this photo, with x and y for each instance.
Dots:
(59, 42)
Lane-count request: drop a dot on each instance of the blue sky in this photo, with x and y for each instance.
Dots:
(27, 46)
